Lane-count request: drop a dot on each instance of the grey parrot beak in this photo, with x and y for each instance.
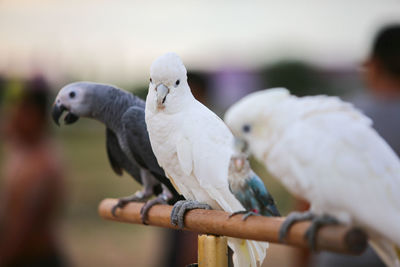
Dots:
(162, 92)
(58, 110)
(70, 118)
(240, 145)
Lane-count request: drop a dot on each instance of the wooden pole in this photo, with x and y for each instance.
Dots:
(337, 238)
(213, 251)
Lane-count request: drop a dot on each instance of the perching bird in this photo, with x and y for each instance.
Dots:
(325, 151)
(127, 142)
(194, 147)
(248, 187)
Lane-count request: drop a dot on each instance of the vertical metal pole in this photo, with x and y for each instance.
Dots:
(212, 251)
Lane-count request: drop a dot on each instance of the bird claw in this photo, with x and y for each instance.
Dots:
(161, 199)
(115, 207)
(246, 213)
(139, 196)
(291, 219)
(181, 207)
(121, 203)
(175, 210)
(316, 223)
(250, 213)
(236, 213)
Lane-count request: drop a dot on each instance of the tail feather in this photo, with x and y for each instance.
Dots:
(247, 253)
(386, 250)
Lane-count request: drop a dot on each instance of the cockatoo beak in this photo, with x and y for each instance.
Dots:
(162, 92)
(240, 145)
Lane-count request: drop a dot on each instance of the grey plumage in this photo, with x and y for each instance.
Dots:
(118, 160)
(127, 141)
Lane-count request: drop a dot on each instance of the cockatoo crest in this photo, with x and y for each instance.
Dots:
(167, 69)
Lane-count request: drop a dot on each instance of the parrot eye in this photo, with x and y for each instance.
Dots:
(72, 94)
(177, 82)
(151, 80)
(246, 128)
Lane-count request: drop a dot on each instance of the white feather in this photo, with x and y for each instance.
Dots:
(194, 147)
(325, 151)
(185, 155)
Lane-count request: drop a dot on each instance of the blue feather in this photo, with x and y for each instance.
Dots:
(255, 197)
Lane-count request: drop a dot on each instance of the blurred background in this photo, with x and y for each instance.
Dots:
(230, 48)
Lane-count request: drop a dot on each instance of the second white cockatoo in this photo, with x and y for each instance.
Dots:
(325, 151)
(194, 147)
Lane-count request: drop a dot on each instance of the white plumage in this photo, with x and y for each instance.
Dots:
(194, 147)
(325, 151)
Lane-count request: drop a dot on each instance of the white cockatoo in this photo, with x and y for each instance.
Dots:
(325, 151)
(194, 147)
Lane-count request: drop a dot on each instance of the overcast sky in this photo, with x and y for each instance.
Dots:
(114, 40)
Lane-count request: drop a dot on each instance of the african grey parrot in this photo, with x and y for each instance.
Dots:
(127, 140)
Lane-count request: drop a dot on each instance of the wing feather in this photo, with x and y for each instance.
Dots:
(184, 151)
(113, 148)
(340, 164)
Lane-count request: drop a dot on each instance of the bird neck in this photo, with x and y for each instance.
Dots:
(181, 101)
(110, 106)
(236, 175)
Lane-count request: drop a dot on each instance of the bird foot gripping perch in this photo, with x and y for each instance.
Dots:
(160, 199)
(316, 223)
(336, 238)
(246, 213)
(181, 207)
(139, 196)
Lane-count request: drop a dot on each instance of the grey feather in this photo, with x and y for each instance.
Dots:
(127, 141)
(139, 143)
(117, 158)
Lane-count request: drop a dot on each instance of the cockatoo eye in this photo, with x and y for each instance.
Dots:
(246, 128)
(177, 82)
(151, 80)
(72, 94)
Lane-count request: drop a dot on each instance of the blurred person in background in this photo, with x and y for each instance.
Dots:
(382, 77)
(33, 188)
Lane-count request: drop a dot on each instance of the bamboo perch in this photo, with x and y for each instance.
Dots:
(213, 251)
(337, 238)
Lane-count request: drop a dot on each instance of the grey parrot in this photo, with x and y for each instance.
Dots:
(127, 141)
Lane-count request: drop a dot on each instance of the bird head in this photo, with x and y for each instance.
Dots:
(72, 98)
(239, 158)
(168, 81)
(248, 119)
